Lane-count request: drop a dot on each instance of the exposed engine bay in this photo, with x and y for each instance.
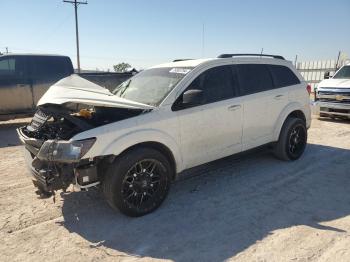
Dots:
(57, 162)
(63, 122)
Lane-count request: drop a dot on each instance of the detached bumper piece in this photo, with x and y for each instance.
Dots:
(48, 180)
(49, 177)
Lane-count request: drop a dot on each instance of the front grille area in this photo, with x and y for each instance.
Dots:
(334, 95)
(38, 121)
(334, 100)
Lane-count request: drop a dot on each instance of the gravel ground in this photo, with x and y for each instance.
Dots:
(252, 208)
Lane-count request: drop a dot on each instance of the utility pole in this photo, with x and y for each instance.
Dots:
(76, 3)
(295, 60)
(336, 65)
(262, 51)
(7, 50)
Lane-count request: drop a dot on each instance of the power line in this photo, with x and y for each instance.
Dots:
(76, 3)
(54, 30)
(203, 40)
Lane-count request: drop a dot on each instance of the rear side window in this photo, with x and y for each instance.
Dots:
(7, 67)
(254, 78)
(283, 76)
(50, 68)
(217, 84)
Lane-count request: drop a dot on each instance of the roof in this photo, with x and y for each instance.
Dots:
(31, 54)
(196, 62)
(185, 63)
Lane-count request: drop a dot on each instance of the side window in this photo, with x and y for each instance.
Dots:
(254, 78)
(8, 67)
(283, 76)
(217, 84)
(49, 68)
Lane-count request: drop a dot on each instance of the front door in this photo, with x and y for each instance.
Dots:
(15, 87)
(212, 129)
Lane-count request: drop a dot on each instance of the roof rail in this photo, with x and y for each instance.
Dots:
(261, 55)
(179, 60)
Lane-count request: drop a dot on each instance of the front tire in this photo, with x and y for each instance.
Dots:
(292, 140)
(138, 181)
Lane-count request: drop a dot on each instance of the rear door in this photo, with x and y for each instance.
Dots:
(212, 129)
(285, 81)
(47, 70)
(256, 86)
(15, 89)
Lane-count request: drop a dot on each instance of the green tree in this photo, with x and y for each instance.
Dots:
(121, 67)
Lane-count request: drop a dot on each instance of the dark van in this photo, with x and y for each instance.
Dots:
(24, 78)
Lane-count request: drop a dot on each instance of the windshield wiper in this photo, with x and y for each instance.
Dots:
(122, 90)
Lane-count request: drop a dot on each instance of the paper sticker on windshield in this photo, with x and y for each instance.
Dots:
(177, 70)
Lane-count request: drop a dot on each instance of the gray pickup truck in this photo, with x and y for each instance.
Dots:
(24, 78)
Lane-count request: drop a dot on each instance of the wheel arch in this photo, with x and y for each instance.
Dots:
(159, 147)
(151, 138)
(291, 110)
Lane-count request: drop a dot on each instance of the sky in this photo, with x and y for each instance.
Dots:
(145, 33)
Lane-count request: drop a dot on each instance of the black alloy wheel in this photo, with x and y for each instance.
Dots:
(142, 182)
(297, 140)
(138, 181)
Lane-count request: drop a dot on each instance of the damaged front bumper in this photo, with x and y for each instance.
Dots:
(55, 164)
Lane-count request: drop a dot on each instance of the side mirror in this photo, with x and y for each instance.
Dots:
(327, 75)
(192, 97)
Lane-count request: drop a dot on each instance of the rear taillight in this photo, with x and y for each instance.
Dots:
(308, 88)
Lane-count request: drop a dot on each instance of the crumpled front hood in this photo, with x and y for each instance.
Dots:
(334, 83)
(75, 89)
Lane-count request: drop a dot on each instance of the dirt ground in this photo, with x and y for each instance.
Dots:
(252, 208)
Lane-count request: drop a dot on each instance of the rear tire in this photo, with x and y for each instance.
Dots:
(292, 140)
(138, 181)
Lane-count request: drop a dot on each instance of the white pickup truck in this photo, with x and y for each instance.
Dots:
(332, 96)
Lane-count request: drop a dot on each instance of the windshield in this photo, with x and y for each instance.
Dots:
(343, 73)
(151, 86)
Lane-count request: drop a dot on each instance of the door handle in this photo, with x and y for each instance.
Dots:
(234, 107)
(279, 96)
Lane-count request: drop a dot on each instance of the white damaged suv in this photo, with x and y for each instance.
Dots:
(134, 141)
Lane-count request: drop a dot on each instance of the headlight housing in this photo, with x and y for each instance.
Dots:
(65, 151)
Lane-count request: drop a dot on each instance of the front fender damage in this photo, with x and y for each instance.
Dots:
(54, 159)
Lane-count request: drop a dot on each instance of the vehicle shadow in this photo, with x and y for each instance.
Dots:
(233, 204)
(8, 134)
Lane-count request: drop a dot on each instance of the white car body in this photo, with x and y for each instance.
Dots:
(132, 142)
(208, 132)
